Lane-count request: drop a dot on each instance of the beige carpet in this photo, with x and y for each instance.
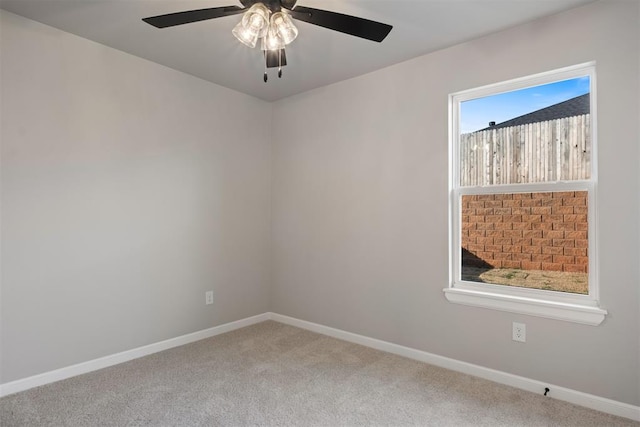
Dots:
(274, 374)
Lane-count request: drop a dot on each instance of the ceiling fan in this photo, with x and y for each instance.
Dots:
(270, 22)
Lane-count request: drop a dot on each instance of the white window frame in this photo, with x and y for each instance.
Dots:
(555, 305)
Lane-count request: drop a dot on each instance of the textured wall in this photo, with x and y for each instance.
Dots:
(530, 231)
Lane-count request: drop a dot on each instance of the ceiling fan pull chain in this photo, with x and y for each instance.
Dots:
(265, 77)
(280, 63)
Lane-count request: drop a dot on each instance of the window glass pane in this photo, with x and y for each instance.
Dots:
(537, 134)
(531, 240)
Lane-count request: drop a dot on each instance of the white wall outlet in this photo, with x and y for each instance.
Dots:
(208, 297)
(519, 332)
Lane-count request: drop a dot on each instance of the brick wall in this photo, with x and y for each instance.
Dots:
(529, 231)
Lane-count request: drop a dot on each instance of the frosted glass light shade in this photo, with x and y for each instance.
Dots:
(284, 27)
(254, 24)
(245, 35)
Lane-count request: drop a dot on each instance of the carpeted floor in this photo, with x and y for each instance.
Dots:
(274, 374)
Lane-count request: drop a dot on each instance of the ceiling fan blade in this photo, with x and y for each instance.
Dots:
(359, 27)
(179, 18)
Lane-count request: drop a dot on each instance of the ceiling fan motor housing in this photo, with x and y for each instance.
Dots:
(272, 5)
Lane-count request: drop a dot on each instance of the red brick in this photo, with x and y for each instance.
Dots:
(502, 256)
(565, 243)
(493, 248)
(493, 218)
(467, 211)
(575, 234)
(532, 218)
(474, 249)
(511, 264)
(582, 260)
(582, 243)
(541, 210)
(500, 211)
(521, 211)
(532, 234)
(504, 196)
(562, 210)
(521, 225)
(477, 233)
(531, 249)
(468, 226)
(542, 258)
(574, 268)
(503, 225)
(521, 242)
(511, 248)
(493, 233)
(512, 203)
(485, 240)
(545, 195)
(542, 242)
(512, 218)
(520, 196)
(582, 226)
(550, 266)
(484, 211)
(541, 226)
(521, 257)
(531, 202)
(575, 251)
(575, 218)
(484, 226)
(553, 218)
(485, 197)
(493, 204)
(551, 202)
(580, 210)
(563, 194)
(512, 233)
(574, 202)
(476, 205)
(554, 234)
(550, 250)
(563, 259)
(531, 265)
(502, 241)
(495, 264)
(567, 226)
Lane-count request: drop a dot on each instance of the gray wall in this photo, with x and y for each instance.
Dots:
(360, 204)
(128, 190)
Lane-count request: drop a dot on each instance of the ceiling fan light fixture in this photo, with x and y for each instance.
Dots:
(254, 25)
(272, 41)
(245, 35)
(283, 26)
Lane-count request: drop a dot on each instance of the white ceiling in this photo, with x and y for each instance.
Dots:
(316, 58)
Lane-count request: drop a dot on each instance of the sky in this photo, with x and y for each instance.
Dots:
(476, 114)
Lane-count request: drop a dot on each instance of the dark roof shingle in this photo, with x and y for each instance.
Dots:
(569, 108)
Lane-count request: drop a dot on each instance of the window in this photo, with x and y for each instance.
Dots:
(522, 196)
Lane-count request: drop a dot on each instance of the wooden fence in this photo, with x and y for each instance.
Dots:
(555, 150)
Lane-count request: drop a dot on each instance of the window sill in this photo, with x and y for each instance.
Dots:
(535, 307)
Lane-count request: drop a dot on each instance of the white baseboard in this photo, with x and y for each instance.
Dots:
(125, 356)
(561, 393)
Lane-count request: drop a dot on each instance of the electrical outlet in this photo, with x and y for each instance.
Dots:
(208, 296)
(519, 332)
